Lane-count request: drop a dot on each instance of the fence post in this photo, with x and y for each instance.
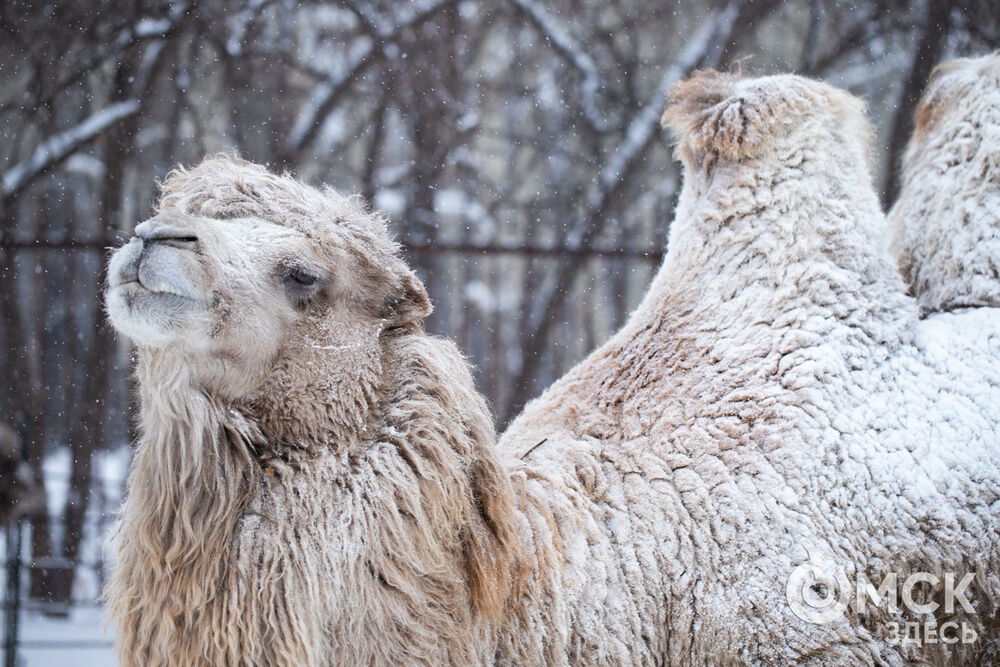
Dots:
(12, 598)
(12, 608)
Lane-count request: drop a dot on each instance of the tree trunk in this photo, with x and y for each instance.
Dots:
(931, 41)
(24, 403)
(88, 431)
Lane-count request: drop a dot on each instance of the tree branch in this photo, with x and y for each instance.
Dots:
(717, 28)
(52, 151)
(935, 29)
(308, 126)
(566, 46)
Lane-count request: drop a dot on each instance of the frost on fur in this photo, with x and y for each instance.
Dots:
(946, 222)
(725, 115)
(773, 397)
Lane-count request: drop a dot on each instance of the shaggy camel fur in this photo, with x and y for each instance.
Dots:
(315, 482)
(773, 402)
(946, 223)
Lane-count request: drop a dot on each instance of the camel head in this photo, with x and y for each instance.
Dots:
(255, 288)
(281, 365)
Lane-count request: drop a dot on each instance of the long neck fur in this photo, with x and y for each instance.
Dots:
(190, 480)
(224, 559)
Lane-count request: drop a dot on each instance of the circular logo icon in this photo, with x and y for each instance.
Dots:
(818, 590)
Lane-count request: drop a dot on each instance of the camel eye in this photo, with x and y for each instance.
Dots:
(300, 286)
(303, 278)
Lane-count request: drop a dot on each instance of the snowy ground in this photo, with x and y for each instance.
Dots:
(79, 640)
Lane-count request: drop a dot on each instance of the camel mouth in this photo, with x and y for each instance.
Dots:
(135, 288)
(154, 290)
(144, 278)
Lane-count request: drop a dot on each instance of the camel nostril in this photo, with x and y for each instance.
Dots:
(167, 233)
(177, 237)
(182, 242)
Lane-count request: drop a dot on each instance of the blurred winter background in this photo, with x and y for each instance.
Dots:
(514, 143)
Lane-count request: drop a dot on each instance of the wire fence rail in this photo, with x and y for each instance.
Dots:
(65, 645)
(474, 249)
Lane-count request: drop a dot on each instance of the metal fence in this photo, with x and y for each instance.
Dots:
(50, 643)
(21, 566)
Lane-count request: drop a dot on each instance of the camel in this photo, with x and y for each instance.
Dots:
(946, 219)
(317, 480)
(315, 474)
(774, 406)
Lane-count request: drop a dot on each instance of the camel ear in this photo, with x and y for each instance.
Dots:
(408, 302)
(710, 115)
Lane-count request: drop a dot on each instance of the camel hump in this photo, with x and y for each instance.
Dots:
(946, 221)
(738, 118)
(777, 211)
(776, 167)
